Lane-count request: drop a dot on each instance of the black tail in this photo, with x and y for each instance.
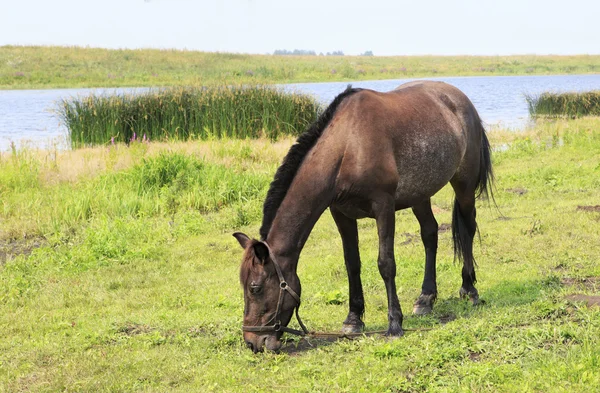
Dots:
(464, 225)
(463, 231)
(486, 174)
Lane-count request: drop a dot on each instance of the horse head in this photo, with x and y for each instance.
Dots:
(267, 307)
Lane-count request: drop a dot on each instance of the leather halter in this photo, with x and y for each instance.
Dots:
(277, 325)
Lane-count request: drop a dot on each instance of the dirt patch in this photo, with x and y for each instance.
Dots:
(444, 319)
(10, 249)
(436, 209)
(589, 300)
(133, 329)
(589, 283)
(444, 227)
(589, 208)
(409, 238)
(474, 356)
(504, 218)
(518, 191)
(196, 331)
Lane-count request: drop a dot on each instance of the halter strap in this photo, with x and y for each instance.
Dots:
(283, 288)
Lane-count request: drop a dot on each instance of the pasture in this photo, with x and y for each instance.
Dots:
(32, 67)
(118, 272)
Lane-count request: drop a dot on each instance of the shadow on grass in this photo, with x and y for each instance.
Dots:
(505, 295)
(297, 347)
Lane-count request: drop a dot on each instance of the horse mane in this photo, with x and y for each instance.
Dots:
(291, 163)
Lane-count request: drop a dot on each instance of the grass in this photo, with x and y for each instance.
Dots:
(29, 67)
(119, 273)
(565, 104)
(187, 113)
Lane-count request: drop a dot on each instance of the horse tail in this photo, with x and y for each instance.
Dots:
(464, 226)
(486, 174)
(463, 231)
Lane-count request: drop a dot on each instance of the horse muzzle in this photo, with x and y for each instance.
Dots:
(257, 343)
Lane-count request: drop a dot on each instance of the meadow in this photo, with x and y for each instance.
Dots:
(33, 67)
(118, 272)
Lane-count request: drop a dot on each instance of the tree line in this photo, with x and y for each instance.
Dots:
(304, 52)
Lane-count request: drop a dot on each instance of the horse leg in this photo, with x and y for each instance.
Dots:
(384, 211)
(429, 236)
(349, 233)
(464, 227)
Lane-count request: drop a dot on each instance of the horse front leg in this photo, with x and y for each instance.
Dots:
(429, 236)
(384, 211)
(349, 232)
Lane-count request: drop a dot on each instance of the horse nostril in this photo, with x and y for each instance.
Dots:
(250, 345)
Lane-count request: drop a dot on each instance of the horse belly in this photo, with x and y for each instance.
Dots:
(422, 182)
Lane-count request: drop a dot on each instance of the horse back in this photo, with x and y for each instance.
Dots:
(410, 141)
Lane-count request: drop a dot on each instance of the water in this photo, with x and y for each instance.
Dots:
(27, 117)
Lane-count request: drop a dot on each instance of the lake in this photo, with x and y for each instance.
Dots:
(27, 117)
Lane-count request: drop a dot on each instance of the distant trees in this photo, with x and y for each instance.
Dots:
(295, 52)
(367, 53)
(304, 52)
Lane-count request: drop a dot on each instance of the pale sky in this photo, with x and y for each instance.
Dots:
(386, 27)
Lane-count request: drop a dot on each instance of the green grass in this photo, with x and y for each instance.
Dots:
(187, 113)
(28, 67)
(565, 104)
(119, 273)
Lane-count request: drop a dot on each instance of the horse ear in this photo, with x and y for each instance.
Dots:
(242, 239)
(261, 251)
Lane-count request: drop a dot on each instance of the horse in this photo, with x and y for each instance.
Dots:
(368, 154)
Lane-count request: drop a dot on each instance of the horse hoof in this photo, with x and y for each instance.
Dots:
(421, 309)
(471, 296)
(352, 329)
(424, 304)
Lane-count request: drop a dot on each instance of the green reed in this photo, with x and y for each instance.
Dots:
(565, 104)
(184, 113)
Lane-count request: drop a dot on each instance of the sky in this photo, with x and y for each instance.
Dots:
(385, 27)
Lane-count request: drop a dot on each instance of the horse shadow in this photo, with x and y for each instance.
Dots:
(504, 295)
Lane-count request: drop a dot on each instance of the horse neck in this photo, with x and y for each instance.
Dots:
(311, 192)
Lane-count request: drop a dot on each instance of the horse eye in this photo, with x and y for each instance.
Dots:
(255, 289)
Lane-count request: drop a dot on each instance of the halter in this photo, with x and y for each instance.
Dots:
(277, 326)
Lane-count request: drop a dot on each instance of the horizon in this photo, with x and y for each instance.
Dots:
(387, 28)
(66, 46)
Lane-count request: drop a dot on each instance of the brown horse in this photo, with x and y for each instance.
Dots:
(368, 155)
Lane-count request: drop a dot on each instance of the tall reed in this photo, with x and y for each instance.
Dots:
(564, 104)
(184, 113)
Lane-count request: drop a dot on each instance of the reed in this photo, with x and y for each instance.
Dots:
(564, 104)
(187, 113)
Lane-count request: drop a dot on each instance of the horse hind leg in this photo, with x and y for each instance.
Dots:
(429, 236)
(349, 232)
(464, 226)
(384, 212)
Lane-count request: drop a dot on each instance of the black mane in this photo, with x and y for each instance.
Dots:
(287, 171)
